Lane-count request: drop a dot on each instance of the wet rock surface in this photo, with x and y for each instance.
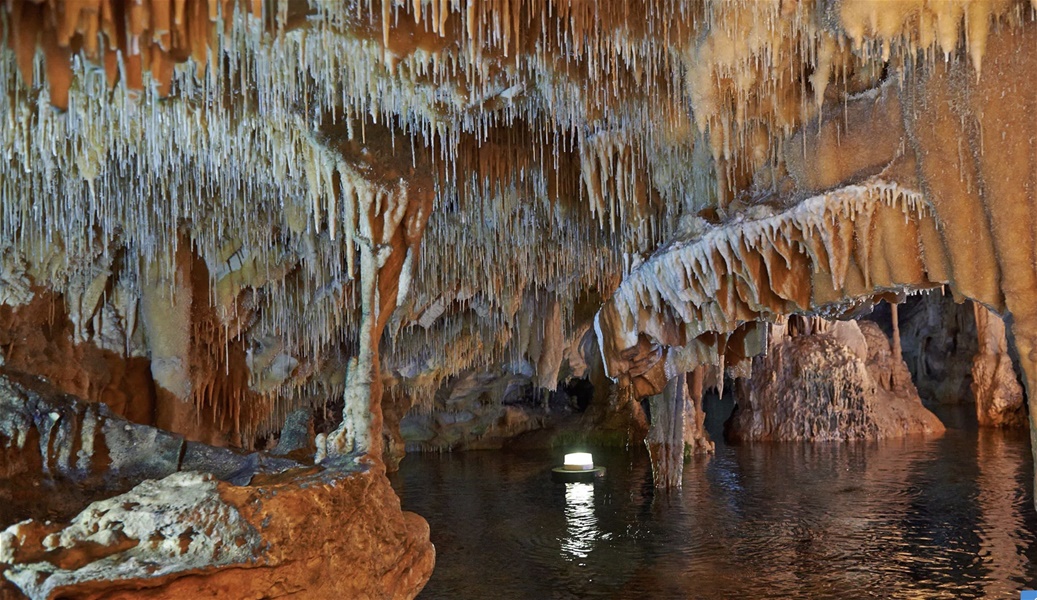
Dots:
(995, 386)
(813, 387)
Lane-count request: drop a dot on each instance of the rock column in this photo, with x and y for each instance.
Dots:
(696, 440)
(665, 438)
(166, 308)
(390, 225)
(678, 427)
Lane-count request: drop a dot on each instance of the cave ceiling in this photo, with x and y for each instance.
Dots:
(565, 147)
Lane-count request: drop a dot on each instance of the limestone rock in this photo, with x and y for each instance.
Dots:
(814, 388)
(268, 171)
(478, 410)
(325, 533)
(999, 397)
(296, 435)
(262, 526)
(44, 433)
(158, 530)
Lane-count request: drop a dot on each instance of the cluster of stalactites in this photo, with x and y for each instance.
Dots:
(212, 185)
(126, 39)
(826, 255)
(596, 91)
(108, 190)
(751, 69)
(764, 68)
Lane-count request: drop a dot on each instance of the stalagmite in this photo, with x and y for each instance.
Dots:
(999, 397)
(898, 353)
(826, 383)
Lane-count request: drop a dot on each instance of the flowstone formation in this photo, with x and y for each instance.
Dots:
(829, 382)
(427, 223)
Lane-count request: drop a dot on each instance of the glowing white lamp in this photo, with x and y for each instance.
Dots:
(578, 461)
(578, 467)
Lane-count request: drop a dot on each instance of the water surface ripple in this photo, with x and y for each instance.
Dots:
(950, 517)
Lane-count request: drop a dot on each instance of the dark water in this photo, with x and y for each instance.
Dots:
(950, 517)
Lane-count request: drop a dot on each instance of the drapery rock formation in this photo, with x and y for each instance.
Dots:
(215, 213)
(698, 300)
(838, 384)
(677, 429)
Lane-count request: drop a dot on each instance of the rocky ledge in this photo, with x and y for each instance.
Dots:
(333, 530)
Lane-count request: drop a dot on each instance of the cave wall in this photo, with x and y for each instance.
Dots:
(628, 173)
(939, 341)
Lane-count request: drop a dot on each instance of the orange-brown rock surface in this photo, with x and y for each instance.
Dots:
(999, 397)
(205, 520)
(324, 533)
(37, 338)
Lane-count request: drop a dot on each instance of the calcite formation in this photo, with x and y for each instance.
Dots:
(697, 301)
(700, 300)
(999, 397)
(677, 428)
(214, 213)
(838, 384)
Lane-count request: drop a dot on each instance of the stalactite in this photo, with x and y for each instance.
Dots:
(740, 276)
(558, 142)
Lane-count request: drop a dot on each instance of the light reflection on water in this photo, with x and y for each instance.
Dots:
(949, 517)
(581, 526)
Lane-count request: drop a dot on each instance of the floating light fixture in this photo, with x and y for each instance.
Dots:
(580, 461)
(577, 467)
